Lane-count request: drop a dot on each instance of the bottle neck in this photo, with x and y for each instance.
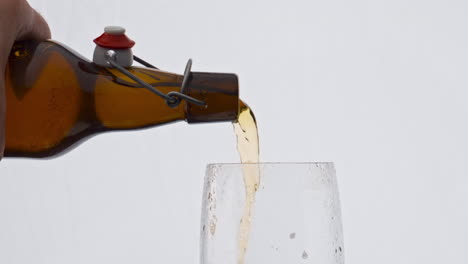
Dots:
(121, 103)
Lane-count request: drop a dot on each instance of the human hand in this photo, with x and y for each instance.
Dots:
(18, 21)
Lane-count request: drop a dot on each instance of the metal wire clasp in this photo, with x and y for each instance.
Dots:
(173, 99)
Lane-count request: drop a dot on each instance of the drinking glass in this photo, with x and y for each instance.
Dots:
(294, 216)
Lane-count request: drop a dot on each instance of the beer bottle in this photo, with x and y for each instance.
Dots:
(56, 98)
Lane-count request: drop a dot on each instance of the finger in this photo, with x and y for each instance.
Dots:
(34, 28)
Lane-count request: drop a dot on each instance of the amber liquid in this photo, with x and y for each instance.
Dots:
(248, 148)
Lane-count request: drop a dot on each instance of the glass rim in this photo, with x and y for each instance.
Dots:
(274, 163)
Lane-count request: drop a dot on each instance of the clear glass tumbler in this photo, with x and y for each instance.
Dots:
(292, 217)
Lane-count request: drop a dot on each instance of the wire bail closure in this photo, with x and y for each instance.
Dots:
(173, 99)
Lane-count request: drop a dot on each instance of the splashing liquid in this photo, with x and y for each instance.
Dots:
(248, 148)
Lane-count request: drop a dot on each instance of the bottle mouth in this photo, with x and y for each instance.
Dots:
(220, 92)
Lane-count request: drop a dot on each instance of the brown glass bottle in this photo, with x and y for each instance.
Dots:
(56, 99)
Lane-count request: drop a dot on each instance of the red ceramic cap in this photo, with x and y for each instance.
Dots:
(114, 37)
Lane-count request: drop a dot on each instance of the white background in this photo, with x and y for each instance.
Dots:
(379, 87)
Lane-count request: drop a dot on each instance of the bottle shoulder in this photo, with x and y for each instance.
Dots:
(63, 46)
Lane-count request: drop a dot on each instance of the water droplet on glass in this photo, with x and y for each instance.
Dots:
(305, 255)
(212, 227)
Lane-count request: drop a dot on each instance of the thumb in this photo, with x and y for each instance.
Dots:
(35, 27)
